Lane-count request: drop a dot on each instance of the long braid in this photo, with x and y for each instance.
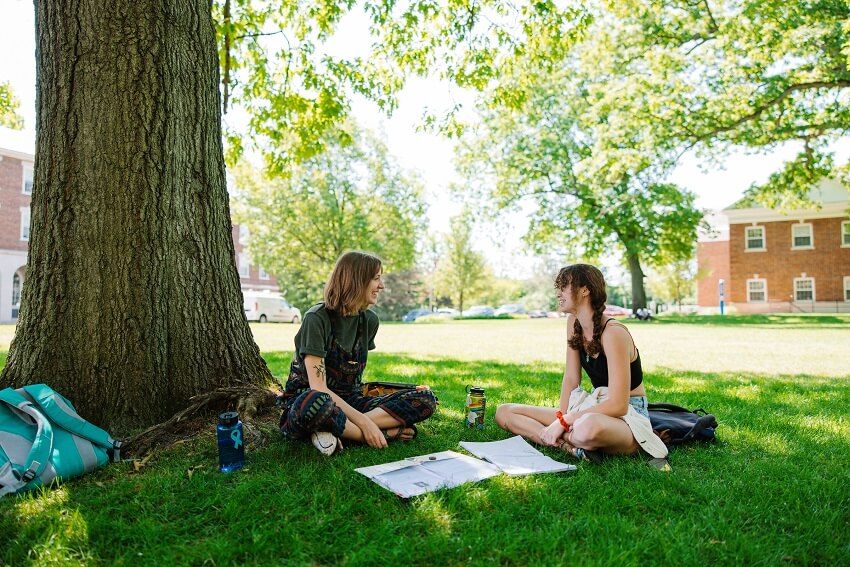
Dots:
(594, 347)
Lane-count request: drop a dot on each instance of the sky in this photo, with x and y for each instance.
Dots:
(429, 154)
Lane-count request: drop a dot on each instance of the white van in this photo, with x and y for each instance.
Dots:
(265, 306)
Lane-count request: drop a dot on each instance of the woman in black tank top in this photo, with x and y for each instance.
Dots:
(603, 347)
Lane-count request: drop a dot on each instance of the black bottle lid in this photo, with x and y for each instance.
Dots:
(228, 418)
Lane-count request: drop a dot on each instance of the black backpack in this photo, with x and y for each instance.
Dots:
(676, 425)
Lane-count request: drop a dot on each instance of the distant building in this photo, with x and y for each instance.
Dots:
(781, 262)
(16, 175)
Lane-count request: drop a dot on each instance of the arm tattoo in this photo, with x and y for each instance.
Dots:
(320, 371)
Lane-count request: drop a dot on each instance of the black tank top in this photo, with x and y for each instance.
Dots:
(597, 368)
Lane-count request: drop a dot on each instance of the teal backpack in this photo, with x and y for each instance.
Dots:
(43, 438)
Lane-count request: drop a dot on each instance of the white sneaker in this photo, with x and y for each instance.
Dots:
(325, 442)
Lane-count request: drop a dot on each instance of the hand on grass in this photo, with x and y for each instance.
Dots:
(372, 435)
(551, 434)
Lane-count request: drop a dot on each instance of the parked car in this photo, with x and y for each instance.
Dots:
(510, 309)
(479, 311)
(266, 306)
(442, 313)
(415, 314)
(537, 314)
(617, 311)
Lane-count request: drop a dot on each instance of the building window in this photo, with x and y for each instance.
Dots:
(804, 289)
(845, 233)
(264, 275)
(801, 236)
(25, 223)
(244, 266)
(756, 290)
(243, 234)
(26, 187)
(754, 238)
(846, 288)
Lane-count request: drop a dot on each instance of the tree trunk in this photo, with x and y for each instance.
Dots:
(132, 301)
(638, 291)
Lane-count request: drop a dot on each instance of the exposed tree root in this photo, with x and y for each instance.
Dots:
(250, 401)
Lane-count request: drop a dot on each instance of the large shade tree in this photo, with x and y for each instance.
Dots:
(132, 303)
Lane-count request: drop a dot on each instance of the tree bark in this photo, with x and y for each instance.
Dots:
(638, 290)
(132, 303)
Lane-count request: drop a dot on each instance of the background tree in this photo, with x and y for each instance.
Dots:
(131, 303)
(714, 76)
(675, 282)
(462, 269)
(403, 290)
(9, 105)
(588, 195)
(351, 196)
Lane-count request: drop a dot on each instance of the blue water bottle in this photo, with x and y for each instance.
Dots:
(231, 449)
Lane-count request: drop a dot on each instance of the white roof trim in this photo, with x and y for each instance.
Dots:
(827, 211)
(17, 155)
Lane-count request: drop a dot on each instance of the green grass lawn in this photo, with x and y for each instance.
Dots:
(772, 491)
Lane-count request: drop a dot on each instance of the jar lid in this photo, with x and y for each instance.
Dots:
(228, 418)
(476, 390)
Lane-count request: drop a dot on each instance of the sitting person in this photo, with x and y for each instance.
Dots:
(614, 418)
(323, 397)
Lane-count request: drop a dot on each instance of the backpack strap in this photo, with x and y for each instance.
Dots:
(19, 475)
(657, 406)
(62, 412)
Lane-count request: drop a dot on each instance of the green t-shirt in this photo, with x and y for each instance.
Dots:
(315, 335)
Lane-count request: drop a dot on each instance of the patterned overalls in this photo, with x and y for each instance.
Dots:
(306, 410)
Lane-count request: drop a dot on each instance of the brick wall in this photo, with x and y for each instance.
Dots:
(12, 198)
(252, 280)
(828, 262)
(713, 262)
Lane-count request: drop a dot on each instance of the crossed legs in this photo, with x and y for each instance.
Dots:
(591, 431)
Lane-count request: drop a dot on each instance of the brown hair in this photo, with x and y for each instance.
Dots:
(351, 274)
(578, 276)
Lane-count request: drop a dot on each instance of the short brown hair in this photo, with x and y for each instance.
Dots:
(351, 274)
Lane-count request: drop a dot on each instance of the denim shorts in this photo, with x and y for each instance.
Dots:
(641, 405)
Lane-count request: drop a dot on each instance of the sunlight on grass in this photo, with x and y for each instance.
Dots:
(772, 443)
(432, 510)
(747, 392)
(68, 533)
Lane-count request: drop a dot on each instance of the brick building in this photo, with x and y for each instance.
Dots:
(16, 174)
(797, 261)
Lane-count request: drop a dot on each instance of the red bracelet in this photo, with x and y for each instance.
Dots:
(560, 417)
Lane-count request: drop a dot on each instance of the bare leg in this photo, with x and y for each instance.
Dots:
(594, 431)
(524, 420)
(382, 419)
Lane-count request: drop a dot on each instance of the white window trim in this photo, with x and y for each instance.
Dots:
(814, 295)
(264, 275)
(27, 168)
(244, 266)
(846, 288)
(845, 227)
(810, 246)
(25, 223)
(764, 280)
(763, 239)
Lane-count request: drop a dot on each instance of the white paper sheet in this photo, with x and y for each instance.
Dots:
(417, 475)
(515, 456)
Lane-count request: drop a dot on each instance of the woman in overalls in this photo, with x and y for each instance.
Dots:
(323, 397)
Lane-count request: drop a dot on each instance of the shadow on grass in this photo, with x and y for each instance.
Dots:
(773, 490)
